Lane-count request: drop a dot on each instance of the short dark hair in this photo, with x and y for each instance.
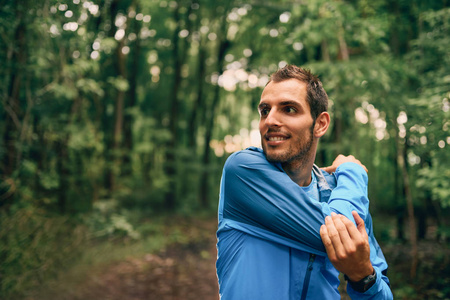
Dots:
(316, 96)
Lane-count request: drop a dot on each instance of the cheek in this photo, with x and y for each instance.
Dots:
(261, 125)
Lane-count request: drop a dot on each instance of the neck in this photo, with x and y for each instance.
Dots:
(300, 170)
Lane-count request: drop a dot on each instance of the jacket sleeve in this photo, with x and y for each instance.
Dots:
(257, 193)
(381, 289)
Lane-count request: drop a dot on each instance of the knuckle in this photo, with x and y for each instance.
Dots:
(339, 226)
(327, 244)
(360, 244)
(341, 256)
(351, 250)
(334, 235)
(346, 221)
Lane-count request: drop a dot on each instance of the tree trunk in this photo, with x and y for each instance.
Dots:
(179, 56)
(192, 142)
(170, 198)
(120, 71)
(63, 172)
(325, 52)
(401, 152)
(394, 38)
(204, 181)
(13, 105)
(131, 99)
(337, 132)
(343, 48)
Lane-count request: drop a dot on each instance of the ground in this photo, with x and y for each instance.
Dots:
(184, 270)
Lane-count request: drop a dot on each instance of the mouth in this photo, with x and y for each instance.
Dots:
(275, 139)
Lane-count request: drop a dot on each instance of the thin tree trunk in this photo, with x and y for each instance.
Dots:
(12, 105)
(325, 52)
(343, 49)
(132, 98)
(398, 195)
(192, 142)
(63, 172)
(170, 198)
(204, 182)
(394, 41)
(401, 151)
(120, 71)
(337, 132)
(179, 55)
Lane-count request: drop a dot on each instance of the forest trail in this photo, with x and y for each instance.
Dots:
(184, 270)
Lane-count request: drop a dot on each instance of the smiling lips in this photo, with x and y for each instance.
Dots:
(275, 138)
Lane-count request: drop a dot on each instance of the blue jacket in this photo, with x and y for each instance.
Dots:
(269, 246)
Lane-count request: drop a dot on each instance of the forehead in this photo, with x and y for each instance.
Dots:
(286, 90)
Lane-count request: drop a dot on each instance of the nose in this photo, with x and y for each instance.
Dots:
(272, 119)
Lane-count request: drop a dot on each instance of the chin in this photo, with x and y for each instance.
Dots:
(273, 156)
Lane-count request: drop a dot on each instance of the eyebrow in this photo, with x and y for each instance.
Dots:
(262, 105)
(290, 102)
(283, 103)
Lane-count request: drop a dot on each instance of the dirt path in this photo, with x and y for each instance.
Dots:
(183, 271)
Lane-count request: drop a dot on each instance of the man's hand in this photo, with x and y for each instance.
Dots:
(340, 159)
(347, 246)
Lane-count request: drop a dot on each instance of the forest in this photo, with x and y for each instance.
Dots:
(116, 117)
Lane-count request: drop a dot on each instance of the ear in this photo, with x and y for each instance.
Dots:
(322, 123)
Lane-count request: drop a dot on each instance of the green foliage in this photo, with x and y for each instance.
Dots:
(404, 292)
(106, 222)
(436, 180)
(34, 245)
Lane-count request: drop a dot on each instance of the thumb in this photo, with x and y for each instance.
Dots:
(329, 169)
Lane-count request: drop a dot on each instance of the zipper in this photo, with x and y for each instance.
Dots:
(312, 257)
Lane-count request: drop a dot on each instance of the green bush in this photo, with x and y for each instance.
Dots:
(33, 247)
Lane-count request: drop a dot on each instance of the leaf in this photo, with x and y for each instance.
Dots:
(119, 83)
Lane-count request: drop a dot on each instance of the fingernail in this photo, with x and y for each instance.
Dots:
(333, 214)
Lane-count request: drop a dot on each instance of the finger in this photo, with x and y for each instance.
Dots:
(359, 163)
(359, 223)
(343, 231)
(351, 228)
(327, 243)
(364, 167)
(329, 169)
(334, 236)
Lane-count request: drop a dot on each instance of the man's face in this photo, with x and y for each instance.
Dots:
(286, 123)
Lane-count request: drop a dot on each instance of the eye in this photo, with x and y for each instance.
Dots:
(290, 109)
(264, 111)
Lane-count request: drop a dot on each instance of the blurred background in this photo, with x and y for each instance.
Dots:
(116, 118)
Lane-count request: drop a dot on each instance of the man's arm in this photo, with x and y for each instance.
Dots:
(258, 193)
(349, 251)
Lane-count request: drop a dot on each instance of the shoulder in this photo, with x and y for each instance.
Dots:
(250, 161)
(247, 157)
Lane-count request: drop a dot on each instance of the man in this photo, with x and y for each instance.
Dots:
(284, 224)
